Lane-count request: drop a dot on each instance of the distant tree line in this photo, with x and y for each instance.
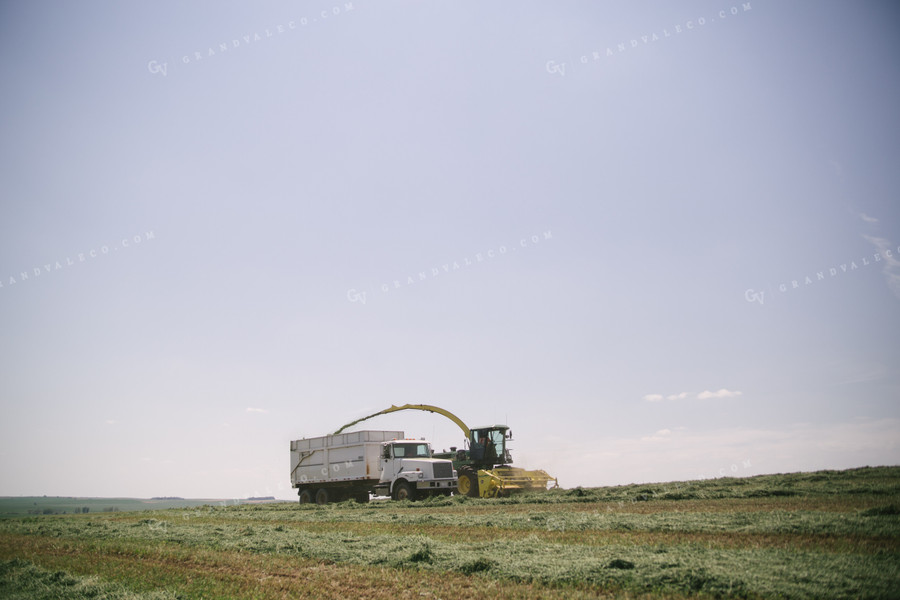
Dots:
(56, 511)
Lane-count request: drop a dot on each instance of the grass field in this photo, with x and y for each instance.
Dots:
(833, 534)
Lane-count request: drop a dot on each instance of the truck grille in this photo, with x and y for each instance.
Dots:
(443, 470)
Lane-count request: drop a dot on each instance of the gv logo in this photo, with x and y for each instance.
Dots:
(552, 67)
(354, 296)
(752, 296)
(154, 67)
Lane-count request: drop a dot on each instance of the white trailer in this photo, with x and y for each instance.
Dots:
(339, 467)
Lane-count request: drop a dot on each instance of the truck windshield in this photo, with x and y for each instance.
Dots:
(411, 451)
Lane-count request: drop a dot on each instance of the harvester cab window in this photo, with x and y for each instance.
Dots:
(495, 443)
(476, 445)
(488, 444)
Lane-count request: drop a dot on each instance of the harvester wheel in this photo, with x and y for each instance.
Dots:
(322, 496)
(305, 497)
(468, 483)
(403, 491)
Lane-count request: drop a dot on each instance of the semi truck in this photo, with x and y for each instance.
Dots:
(334, 468)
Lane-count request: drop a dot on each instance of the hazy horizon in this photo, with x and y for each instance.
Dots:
(224, 501)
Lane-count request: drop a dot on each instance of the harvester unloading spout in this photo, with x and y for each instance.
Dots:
(425, 407)
(484, 466)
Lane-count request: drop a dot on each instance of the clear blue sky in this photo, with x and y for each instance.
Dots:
(642, 189)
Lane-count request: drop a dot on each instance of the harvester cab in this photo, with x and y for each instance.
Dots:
(487, 445)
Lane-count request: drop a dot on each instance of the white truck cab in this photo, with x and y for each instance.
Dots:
(408, 471)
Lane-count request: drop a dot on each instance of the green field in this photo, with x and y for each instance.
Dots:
(830, 534)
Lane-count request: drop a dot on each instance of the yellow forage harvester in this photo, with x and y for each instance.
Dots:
(483, 466)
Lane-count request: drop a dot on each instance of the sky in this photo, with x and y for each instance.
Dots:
(660, 241)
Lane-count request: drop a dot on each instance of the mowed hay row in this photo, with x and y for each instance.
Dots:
(166, 571)
(860, 532)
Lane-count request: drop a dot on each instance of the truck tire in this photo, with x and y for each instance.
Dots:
(305, 497)
(468, 482)
(322, 496)
(404, 491)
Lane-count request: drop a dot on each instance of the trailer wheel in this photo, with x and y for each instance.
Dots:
(403, 491)
(322, 496)
(305, 497)
(468, 482)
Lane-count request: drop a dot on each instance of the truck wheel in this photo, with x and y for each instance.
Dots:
(322, 496)
(404, 491)
(468, 483)
(305, 497)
